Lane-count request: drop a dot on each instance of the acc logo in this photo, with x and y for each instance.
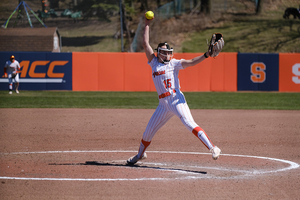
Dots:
(258, 74)
(296, 71)
(50, 72)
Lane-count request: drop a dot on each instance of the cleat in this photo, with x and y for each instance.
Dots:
(134, 159)
(215, 152)
(17, 91)
(10, 92)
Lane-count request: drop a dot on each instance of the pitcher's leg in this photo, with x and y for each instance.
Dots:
(191, 125)
(188, 120)
(200, 133)
(158, 119)
(141, 154)
(184, 113)
(143, 146)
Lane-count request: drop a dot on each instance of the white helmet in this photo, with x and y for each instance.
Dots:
(167, 53)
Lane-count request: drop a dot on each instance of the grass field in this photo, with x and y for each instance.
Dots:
(245, 32)
(251, 36)
(148, 100)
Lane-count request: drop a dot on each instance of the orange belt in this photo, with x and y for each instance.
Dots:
(166, 94)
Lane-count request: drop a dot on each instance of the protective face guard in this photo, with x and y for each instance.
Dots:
(168, 54)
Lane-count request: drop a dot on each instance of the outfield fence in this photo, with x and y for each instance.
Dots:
(87, 71)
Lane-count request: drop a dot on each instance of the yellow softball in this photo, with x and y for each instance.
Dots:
(149, 15)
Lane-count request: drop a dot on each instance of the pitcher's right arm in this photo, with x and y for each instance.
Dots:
(148, 49)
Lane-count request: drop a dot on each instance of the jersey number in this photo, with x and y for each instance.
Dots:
(167, 83)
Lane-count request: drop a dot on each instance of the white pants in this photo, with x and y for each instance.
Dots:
(175, 104)
(11, 80)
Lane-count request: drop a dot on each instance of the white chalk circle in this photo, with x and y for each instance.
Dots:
(184, 174)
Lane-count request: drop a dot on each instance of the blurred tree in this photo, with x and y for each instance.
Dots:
(54, 4)
(158, 3)
(144, 5)
(205, 6)
(102, 9)
(258, 6)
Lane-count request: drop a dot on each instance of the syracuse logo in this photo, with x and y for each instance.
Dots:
(258, 74)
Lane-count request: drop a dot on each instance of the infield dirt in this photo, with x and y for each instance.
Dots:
(81, 154)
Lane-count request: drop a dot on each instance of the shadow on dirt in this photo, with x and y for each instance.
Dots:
(97, 163)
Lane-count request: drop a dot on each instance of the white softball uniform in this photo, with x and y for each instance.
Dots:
(11, 68)
(171, 101)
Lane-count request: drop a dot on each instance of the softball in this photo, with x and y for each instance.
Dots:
(149, 15)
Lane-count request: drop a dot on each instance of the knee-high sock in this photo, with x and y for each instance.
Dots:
(200, 133)
(17, 86)
(143, 147)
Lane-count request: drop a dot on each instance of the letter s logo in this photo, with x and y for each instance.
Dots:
(258, 74)
(296, 71)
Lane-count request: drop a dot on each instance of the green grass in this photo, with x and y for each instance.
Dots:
(246, 32)
(251, 35)
(244, 100)
(148, 100)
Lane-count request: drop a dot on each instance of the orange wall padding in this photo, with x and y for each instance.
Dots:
(289, 72)
(213, 74)
(85, 71)
(130, 72)
(111, 72)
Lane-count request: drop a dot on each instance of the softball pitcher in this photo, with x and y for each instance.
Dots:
(172, 102)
